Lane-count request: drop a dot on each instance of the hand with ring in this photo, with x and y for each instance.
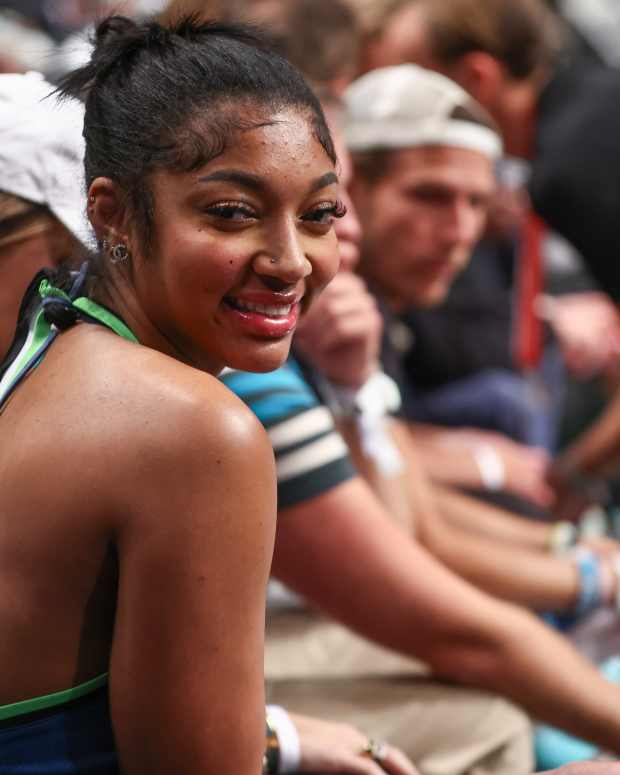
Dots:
(375, 750)
(340, 748)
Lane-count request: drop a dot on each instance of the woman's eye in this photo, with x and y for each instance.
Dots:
(325, 213)
(235, 212)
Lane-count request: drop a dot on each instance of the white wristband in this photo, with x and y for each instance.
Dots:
(490, 466)
(288, 738)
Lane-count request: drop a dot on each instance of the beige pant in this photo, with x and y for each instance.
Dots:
(315, 666)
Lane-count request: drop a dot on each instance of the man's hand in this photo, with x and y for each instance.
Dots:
(341, 335)
(587, 325)
(338, 748)
(524, 468)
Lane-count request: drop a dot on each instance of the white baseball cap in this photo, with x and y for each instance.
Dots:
(42, 149)
(407, 106)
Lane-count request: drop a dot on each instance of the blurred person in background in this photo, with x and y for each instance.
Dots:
(318, 36)
(459, 367)
(562, 118)
(41, 192)
(341, 336)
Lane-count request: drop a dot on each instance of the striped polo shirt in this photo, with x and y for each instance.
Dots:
(311, 456)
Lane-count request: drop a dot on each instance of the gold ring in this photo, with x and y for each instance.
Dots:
(375, 750)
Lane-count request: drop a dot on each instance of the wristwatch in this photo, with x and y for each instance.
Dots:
(271, 757)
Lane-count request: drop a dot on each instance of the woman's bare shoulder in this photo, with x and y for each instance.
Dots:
(148, 389)
(123, 403)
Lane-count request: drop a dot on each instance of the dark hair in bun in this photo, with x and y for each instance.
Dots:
(173, 96)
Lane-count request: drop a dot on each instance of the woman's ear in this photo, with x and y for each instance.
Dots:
(107, 210)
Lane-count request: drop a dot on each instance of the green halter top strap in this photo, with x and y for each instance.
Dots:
(90, 308)
(42, 332)
(105, 317)
(47, 701)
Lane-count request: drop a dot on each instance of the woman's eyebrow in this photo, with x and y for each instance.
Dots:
(325, 180)
(235, 176)
(255, 183)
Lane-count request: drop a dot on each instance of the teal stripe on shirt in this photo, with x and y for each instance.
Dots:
(273, 395)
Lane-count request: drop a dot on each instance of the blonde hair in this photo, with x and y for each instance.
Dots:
(21, 219)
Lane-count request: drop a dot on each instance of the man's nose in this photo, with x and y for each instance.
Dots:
(463, 225)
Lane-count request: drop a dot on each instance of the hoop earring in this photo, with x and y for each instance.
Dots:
(119, 253)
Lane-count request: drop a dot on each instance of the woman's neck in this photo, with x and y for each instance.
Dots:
(122, 301)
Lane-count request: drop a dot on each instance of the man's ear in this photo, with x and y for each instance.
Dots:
(482, 75)
(107, 210)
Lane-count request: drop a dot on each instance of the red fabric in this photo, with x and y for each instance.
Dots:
(528, 327)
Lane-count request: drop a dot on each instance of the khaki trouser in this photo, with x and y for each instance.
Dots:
(315, 666)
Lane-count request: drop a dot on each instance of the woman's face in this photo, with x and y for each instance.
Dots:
(241, 246)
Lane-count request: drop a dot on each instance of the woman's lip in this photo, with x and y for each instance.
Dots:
(263, 325)
(267, 299)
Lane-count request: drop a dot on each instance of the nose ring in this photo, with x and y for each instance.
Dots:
(273, 260)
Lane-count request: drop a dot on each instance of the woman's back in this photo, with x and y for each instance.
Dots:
(79, 434)
(98, 442)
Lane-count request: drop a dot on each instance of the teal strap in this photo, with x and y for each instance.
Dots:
(52, 700)
(90, 307)
(106, 317)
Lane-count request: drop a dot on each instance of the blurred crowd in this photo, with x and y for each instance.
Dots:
(460, 375)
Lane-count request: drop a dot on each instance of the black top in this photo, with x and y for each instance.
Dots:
(471, 329)
(575, 184)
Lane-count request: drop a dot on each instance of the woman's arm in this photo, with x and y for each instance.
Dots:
(194, 555)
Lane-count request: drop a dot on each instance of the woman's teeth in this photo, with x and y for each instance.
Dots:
(270, 310)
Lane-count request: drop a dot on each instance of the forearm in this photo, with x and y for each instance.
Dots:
(471, 514)
(358, 566)
(444, 464)
(396, 490)
(541, 671)
(543, 582)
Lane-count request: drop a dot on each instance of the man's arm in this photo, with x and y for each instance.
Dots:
(343, 553)
(465, 512)
(486, 557)
(456, 457)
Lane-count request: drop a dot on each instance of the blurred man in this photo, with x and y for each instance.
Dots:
(564, 119)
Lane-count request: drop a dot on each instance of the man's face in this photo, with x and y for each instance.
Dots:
(422, 216)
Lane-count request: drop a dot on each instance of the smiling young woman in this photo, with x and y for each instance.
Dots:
(138, 503)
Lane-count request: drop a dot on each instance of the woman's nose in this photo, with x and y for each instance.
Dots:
(284, 260)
